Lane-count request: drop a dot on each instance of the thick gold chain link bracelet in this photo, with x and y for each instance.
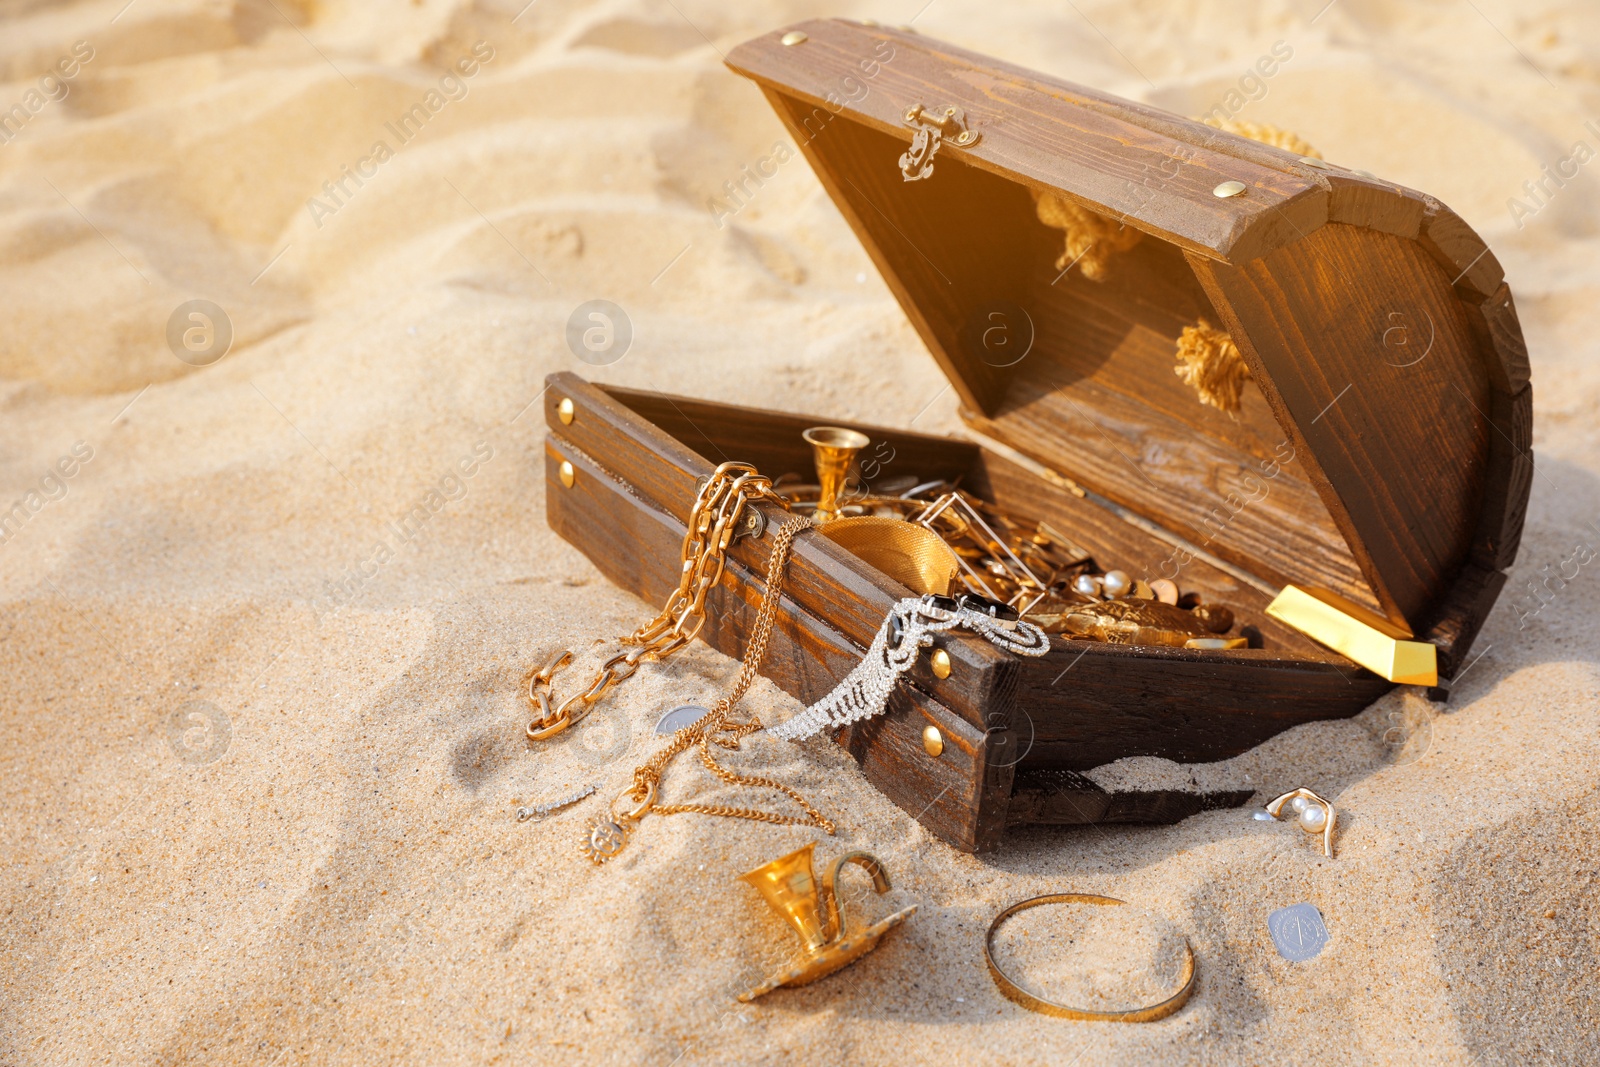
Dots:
(718, 516)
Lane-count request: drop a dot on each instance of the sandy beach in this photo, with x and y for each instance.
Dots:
(279, 570)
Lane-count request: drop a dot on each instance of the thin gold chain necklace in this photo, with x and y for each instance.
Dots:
(607, 837)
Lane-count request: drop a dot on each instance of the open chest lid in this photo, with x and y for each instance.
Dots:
(1380, 445)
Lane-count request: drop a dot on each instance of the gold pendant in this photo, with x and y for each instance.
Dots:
(605, 838)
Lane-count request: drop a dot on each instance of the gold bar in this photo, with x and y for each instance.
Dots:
(1374, 642)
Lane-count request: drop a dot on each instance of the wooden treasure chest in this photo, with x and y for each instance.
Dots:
(1364, 442)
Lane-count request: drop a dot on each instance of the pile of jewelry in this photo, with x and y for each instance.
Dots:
(1051, 581)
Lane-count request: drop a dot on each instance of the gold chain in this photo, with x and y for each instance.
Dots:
(718, 515)
(719, 729)
(607, 837)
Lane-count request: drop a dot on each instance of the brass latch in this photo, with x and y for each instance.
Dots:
(932, 128)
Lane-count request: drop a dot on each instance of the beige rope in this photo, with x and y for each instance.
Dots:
(1091, 239)
(1260, 131)
(1209, 361)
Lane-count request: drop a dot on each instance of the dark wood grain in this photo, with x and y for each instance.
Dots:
(1461, 615)
(1395, 444)
(771, 440)
(1502, 333)
(1397, 516)
(1047, 134)
(1373, 204)
(1509, 482)
(1089, 703)
(1461, 253)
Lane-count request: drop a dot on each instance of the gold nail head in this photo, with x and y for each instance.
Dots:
(568, 475)
(1227, 189)
(1313, 161)
(932, 741)
(794, 37)
(941, 663)
(564, 411)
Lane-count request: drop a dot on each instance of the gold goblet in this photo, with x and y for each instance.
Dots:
(815, 913)
(834, 448)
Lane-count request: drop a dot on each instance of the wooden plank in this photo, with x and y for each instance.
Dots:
(1046, 134)
(957, 797)
(1509, 371)
(1509, 481)
(1396, 446)
(1461, 253)
(1374, 204)
(1088, 704)
(947, 249)
(1462, 613)
(771, 439)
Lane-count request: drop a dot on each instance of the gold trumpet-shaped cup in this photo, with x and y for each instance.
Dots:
(815, 913)
(834, 449)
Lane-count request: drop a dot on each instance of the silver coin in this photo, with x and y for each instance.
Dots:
(681, 716)
(1298, 931)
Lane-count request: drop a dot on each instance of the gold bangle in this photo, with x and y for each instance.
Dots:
(1017, 994)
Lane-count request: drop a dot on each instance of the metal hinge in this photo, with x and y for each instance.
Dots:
(932, 128)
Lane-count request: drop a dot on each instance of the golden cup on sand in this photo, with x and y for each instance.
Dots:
(817, 915)
(834, 449)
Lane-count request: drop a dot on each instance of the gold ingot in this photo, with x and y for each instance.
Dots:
(940, 661)
(568, 475)
(932, 741)
(834, 449)
(564, 411)
(912, 555)
(1349, 629)
(816, 914)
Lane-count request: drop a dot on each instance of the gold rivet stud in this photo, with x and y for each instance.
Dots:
(941, 663)
(568, 475)
(794, 37)
(1227, 189)
(564, 411)
(932, 741)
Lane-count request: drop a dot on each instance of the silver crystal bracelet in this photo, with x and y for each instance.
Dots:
(910, 627)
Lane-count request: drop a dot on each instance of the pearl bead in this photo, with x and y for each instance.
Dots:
(1300, 804)
(1312, 819)
(1117, 583)
(1087, 584)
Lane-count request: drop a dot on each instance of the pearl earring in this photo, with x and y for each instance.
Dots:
(1315, 815)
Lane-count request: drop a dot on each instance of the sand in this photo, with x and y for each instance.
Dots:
(264, 741)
